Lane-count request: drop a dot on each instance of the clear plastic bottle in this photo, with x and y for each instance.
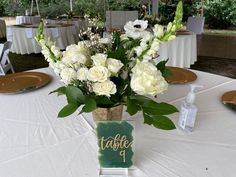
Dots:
(188, 110)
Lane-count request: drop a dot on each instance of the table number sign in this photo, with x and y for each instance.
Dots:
(115, 140)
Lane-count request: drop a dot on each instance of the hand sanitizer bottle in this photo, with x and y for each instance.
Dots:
(188, 110)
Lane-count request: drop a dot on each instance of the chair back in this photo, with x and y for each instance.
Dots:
(5, 63)
(117, 19)
(2, 28)
(195, 24)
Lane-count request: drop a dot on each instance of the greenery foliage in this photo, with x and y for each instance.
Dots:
(220, 13)
(167, 9)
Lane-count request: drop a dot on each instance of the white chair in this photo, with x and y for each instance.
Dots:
(195, 24)
(117, 19)
(5, 64)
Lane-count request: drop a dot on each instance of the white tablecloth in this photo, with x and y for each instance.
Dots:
(182, 51)
(2, 28)
(28, 19)
(34, 143)
(23, 41)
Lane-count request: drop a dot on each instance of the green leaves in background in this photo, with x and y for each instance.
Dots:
(153, 112)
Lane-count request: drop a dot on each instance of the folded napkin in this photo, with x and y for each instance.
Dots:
(29, 33)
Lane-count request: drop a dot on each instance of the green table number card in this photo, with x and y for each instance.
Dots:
(115, 140)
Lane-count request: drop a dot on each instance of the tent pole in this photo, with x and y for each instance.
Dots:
(32, 4)
(202, 10)
(71, 6)
(37, 4)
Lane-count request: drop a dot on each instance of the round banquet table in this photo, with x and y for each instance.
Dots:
(23, 41)
(80, 24)
(2, 28)
(181, 52)
(28, 19)
(35, 143)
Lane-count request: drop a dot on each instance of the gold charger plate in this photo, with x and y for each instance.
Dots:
(229, 97)
(180, 76)
(23, 81)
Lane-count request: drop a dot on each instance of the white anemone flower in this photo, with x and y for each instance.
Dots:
(136, 29)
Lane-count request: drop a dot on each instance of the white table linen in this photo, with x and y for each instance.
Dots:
(28, 19)
(2, 28)
(182, 51)
(35, 143)
(23, 41)
(80, 24)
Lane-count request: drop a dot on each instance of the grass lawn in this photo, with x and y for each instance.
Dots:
(220, 31)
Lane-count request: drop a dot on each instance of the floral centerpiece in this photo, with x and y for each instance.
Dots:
(104, 72)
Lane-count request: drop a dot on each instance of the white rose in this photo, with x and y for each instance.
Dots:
(82, 74)
(148, 81)
(99, 59)
(56, 51)
(106, 88)
(158, 30)
(146, 84)
(146, 67)
(68, 75)
(98, 74)
(76, 54)
(114, 65)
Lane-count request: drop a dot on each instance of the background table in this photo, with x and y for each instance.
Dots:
(35, 143)
(182, 51)
(80, 24)
(23, 41)
(2, 28)
(28, 19)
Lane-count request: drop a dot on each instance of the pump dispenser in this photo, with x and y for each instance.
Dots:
(188, 110)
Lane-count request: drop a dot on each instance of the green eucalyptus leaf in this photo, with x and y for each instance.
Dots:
(163, 122)
(90, 105)
(74, 95)
(132, 107)
(103, 101)
(140, 99)
(147, 119)
(68, 110)
(59, 91)
(153, 108)
(164, 70)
